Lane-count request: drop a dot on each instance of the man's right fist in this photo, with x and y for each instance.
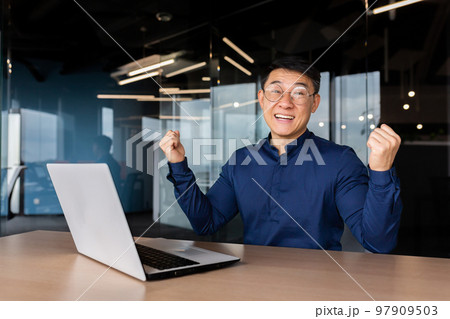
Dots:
(171, 146)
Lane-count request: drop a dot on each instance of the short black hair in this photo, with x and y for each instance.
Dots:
(297, 64)
(103, 143)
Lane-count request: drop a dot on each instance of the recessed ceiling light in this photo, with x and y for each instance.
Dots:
(164, 16)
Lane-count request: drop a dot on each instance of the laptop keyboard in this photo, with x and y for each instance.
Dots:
(161, 260)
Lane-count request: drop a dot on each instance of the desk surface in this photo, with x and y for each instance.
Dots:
(45, 265)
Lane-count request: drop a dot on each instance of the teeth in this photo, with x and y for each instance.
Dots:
(284, 117)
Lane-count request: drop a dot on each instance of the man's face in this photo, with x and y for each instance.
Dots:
(285, 119)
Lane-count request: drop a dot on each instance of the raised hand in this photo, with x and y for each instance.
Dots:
(383, 143)
(171, 146)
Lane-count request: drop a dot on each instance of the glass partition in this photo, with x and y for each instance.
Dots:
(357, 110)
(195, 133)
(67, 81)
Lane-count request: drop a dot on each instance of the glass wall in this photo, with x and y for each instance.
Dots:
(71, 84)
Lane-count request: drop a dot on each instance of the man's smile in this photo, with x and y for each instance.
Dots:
(284, 116)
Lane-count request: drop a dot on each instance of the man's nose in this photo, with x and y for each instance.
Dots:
(285, 100)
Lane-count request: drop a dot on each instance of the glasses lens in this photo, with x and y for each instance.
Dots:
(273, 92)
(299, 95)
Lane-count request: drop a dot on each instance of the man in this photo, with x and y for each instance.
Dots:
(101, 148)
(294, 200)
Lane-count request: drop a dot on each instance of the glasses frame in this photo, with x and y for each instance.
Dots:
(283, 92)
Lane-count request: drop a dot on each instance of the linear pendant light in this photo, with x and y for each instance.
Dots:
(167, 91)
(150, 67)
(394, 5)
(123, 96)
(237, 65)
(140, 98)
(186, 69)
(138, 78)
(238, 50)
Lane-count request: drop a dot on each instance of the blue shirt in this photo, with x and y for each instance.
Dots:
(299, 199)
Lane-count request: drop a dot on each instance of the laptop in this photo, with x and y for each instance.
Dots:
(97, 222)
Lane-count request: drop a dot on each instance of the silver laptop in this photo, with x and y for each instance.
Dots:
(100, 230)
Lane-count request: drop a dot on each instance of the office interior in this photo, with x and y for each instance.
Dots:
(66, 80)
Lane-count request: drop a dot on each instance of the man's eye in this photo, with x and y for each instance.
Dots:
(274, 91)
(299, 94)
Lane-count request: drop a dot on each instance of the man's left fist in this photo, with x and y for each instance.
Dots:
(383, 143)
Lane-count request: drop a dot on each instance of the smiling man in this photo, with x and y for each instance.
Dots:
(297, 190)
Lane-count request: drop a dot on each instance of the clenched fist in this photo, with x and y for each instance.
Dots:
(171, 146)
(383, 143)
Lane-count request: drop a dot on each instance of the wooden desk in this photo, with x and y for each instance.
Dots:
(44, 265)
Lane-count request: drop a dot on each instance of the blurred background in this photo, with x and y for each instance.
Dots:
(71, 72)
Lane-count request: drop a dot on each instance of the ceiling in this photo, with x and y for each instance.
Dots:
(65, 32)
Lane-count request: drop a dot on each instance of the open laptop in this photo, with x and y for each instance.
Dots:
(100, 230)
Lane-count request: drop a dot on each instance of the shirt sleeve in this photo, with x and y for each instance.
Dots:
(206, 213)
(370, 204)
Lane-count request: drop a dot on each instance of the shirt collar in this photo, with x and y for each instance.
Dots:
(290, 148)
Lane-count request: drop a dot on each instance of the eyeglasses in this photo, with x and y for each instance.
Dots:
(299, 95)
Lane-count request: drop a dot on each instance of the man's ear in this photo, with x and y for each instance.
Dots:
(261, 98)
(316, 103)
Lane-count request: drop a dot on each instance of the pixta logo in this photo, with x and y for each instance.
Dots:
(141, 151)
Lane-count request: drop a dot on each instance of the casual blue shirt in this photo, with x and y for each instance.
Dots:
(299, 199)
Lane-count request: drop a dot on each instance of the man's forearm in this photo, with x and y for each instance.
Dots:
(382, 211)
(204, 217)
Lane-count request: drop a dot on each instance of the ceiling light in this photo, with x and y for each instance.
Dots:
(238, 66)
(394, 5)
(419, 126)
(164, 16)
(163, 90)
(178, 91)
(123, 96)
(150, 67)
(183, 117)
(372, 126)
(343, 126)
(321, 124)
(141, 98)
(361, 118)
(411, 93)
(236, 104)
(186, 69)
(164, 99)
(406, 106)
(206, 79)
(236, 48)
(370, 116)
(138, 78)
